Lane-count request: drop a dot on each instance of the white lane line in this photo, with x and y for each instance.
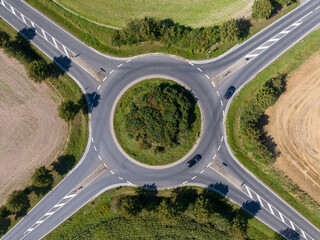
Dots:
(59, 205)
(105, 165)
(213, 84)
(292, 225)
(199, 69)
(94, 95)
(49, 213)
(218, 94)
(317, 7)
(104, 79)
(270, 207)
(202, 171)
(223, 113)
(120, 65)
(111, 172)
(207, 76)
(248, 192)
(120, 178)
(129, 60)
(305, 15)
(194, 177)
(91, 139)
(111, 71)
(209, 165)
(129, 182)
(219, 148)
(214, 156)
(99, 87)
(99, 157)
(185, 182)
(260, 200)
(304, 235)
(281, 216)
(95, 148)
(69, 196)
(221, 138)
(191, 63)
(221, 103)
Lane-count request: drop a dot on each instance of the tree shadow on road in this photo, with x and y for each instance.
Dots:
(93, 100)
(291, 234)
(28, 33)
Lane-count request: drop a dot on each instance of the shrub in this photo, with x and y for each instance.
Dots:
(4, 212)
(262, 9)
(285, 2)
(229, 31)
(4, 39)
(38, 70)
(18, 201)
(68, 110)
(41, 177)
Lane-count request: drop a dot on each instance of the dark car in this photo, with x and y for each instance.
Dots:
(229, 92)
(194, 160)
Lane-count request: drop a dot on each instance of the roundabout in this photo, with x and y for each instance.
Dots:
(234, 182)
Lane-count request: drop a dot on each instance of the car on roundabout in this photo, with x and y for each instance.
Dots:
(194, 160)
(229, 92)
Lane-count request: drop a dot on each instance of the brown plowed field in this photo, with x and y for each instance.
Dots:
(294, 124)
(31, 133)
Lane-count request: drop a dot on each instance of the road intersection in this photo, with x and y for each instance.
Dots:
(218, 169)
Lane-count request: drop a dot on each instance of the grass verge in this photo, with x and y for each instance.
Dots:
(99, 37)
(104, 218)
(66, 89)
(133, 147)
(265, 171)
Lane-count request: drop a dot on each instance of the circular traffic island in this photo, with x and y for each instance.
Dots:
(157, 121)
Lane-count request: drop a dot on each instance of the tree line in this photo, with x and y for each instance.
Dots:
(201, 39)
(250, 121)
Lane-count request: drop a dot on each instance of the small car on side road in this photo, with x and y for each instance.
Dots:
(229, 92)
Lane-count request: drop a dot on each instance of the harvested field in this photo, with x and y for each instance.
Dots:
(31, 133)
(294, 123)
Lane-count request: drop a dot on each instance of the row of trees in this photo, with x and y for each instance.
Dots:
(251, 119)
(171, 33)
(206, 207)
(160, 117)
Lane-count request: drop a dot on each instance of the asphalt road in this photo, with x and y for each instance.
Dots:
(232, 180)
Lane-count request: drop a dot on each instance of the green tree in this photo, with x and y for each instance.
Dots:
(38, 70)
(68, 110)
(4, 39)
(229, 31)
(165, 213)
(200, 209)
(261, 9)
(238, 229)
(18, 201)
(3, 212)
(41, 177)
(285, 2)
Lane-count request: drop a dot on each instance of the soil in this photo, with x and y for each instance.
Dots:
(31, 133)
(294, 124)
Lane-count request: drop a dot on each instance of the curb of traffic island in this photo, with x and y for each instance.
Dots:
(116, 140)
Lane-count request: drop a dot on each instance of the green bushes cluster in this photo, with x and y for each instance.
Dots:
(167, 31)
(264, 8)
(160, 117)
(250, 126)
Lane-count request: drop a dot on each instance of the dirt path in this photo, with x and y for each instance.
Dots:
(31, 133)
(295, 125)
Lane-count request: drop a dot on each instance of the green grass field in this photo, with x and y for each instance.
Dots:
(131, 146)
(276, 180)
(197, 13)
(102, 219)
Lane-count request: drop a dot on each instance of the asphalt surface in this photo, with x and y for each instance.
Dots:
(230, 178)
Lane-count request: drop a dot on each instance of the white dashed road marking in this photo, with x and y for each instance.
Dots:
(218, 94)
(213, 84)
(99, 157)
(99, 87)
(95, 148)
(214, 156)
(219, 148)
(221, 103)
(185, 182)
(209, 165)
(94, 96)
(120, 65)
(129, 182)
(191, 63)
(223, 113)
(194, 177)
(129, 60)
(111, 71)
(221, 138)
(111, 172)
(207, 76)
(201, 171)
(199, 69)
(120, 178)
(91, 139)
